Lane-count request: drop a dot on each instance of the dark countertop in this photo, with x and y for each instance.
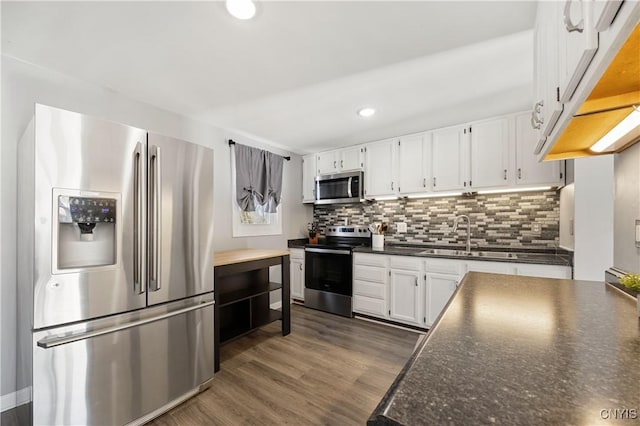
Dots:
(522, 350)
(536, 256)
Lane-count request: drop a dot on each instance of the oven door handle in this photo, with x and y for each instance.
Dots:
(329, 251)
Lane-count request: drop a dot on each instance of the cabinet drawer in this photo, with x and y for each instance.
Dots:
(544, 271)
(407, 263)
(369, 289)
(296, 253)
(370, 273)
(492, 267)
(369, 306)
(370, 259)
(445, 266)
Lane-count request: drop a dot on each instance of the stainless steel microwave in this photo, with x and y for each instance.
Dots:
(340, 188)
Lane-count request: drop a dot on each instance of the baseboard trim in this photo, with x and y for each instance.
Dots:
(276, 305)
(14, 399)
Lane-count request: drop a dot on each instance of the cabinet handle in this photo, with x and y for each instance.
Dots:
(534, 123)
(424, 182)
(570, 26)
(416, 281)
(464, 183)
(434, 181)
(341, 163)
(505, 174)
(334, 164)
(300, 266)
(392, 186)
(519, 173)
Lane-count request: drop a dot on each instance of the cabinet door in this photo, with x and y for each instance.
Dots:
(404, 296)
(548, 107)
(380, 159)
(449, 159)
(578, 44)
(490, 154)
(297, 279)
(351, 158)
(440, 288)
(528, 170)
(308, 178)
(327, 162)
(413, 174)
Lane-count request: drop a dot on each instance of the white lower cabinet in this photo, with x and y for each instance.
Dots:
(439, 289)
(544, 271)
(404, 296)
(370, 285)
(296, 273)
(414, 290)
(491, 267)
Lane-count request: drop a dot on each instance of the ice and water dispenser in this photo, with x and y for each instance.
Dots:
(86, 230)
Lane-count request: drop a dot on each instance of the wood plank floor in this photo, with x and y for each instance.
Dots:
(330, 370)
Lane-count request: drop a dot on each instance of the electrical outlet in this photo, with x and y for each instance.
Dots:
(536, 228)
(401, 226)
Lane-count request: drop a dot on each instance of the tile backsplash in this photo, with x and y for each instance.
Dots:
(496, 219)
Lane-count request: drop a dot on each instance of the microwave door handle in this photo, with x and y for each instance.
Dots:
(349, 187)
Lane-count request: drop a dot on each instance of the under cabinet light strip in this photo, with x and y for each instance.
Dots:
(621, 129)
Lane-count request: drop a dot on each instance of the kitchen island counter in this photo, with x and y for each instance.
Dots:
(523, 350)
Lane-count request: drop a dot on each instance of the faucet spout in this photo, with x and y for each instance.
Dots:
(455, 228)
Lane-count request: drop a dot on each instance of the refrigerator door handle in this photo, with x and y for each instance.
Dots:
(156, 219)
(138, 233)
(53, 341)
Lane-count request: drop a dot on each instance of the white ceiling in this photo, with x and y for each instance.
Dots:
(296, 74)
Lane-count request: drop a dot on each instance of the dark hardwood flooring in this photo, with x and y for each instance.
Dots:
(330, 370)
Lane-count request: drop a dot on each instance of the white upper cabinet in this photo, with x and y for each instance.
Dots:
(547, 108)
(528, 170)
(340, 160)
(414, 175)
(490, 153)
(352, 158)
(380, 168)
(309, 178)
(578, 42)
(449, 159)
(328, 162)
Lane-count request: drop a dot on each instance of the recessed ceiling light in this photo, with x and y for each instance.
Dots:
(366, 112)
(241, 9)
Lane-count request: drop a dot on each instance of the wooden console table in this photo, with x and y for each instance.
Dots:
(242, 287)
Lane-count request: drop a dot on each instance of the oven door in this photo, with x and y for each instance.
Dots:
(328, 270)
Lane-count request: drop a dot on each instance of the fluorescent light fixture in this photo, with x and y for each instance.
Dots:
(435, 194)
(390, 197)
(241, 9)
(504, 191)
(626, 126)
(366, 112)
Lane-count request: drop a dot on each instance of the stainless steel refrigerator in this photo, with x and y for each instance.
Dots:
(115, 270)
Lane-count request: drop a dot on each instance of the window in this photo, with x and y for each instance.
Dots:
(259, 219)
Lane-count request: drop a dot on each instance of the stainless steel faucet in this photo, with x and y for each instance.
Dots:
(455, 228)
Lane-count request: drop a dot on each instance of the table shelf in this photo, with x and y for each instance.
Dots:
(242, 290)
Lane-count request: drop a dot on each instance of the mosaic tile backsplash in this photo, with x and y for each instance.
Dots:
(496, 219)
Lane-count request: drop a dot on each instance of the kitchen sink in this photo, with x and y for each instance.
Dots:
(462, 253)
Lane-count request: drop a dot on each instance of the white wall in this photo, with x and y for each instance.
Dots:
(626, 255)
(24, 84)
(567, 196)
(594, 219)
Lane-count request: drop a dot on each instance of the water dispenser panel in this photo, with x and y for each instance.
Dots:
(86, 210)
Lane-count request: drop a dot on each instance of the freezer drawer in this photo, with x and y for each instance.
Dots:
(119, 372)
